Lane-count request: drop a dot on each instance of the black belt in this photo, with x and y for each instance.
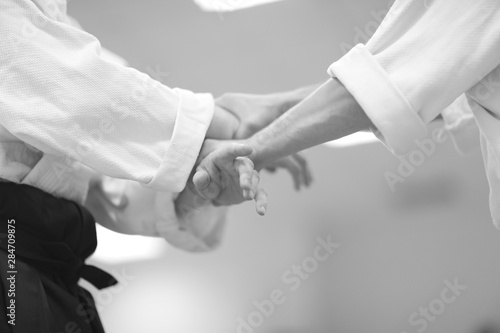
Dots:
(53, 237)
(57, 258)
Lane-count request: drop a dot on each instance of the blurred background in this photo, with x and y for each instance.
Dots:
(397, 248)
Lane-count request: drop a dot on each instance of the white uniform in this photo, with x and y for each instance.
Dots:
(425, 55)
(68, 112)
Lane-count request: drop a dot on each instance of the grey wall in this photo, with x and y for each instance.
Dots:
(397, 248)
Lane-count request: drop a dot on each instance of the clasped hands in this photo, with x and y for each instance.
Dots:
(225, 173)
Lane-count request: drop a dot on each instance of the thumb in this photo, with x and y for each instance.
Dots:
(205, 185)
(201, 179)
(234, 150)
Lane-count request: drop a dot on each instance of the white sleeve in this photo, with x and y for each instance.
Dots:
(130, 208)
(484, 100)
(59, 95)
(425, 54)
(461, 125)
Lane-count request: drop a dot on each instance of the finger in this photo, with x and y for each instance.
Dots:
(309, 175)
(245, 171)
(303, 162)
(305, 168)
(261, 202)
(294, 170)
(207, 182)
(201, 179)
(255, 182)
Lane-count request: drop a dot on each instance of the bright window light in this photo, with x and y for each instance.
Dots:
(115, 248)
(355, 139)
(230, 5)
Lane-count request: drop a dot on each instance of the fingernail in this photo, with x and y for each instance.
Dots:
(263, 210)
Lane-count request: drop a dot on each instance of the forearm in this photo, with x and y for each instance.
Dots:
(287, 100)
(116, 120)
(329, 113)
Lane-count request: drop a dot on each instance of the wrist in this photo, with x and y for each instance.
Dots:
(223, 126)
(256, 155)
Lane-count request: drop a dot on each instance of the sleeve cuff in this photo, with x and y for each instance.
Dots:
(398, 124)
(193, 119)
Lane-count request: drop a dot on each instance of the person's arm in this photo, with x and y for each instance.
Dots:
(227, 177)
(419, 61)
(223, 125)
(185, 220)
(59, 95)
(250, 113)
(329, 113)
(254, 112)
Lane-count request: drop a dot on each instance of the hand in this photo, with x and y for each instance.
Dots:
(223, 126)
(254, 112)
(297, 166)
(225, 176)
